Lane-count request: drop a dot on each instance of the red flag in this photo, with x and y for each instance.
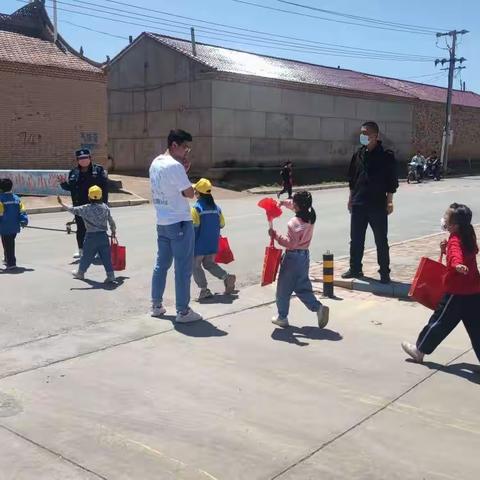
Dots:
(272, 209)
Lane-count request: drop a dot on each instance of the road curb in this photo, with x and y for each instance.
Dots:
(310, 188)
(392, 290)
(313, 188)
(113, 204)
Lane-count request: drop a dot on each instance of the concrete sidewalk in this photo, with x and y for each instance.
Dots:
(141, 187)
(405, 258)
(233, 397)
(135, 191)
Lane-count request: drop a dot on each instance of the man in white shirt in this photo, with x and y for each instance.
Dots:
(171, 190)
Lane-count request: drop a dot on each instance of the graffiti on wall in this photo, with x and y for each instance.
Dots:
(89, 140)
(36, 182)
(28, 138)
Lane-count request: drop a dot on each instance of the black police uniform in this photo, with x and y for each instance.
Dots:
(78, 184)
(372, 175)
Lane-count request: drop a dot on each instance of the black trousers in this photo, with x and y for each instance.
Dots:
(80, 231)
(8, 242)
(287, 188)
(360, 218)
(452, 310)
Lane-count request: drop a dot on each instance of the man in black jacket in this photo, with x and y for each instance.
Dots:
(80, 179)
(373, 180)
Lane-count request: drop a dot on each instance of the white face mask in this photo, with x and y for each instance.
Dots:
(364, 140)
(443, 224)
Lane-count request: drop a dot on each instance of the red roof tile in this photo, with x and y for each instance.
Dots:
(22, 49)
(26, 37)
(244, 63)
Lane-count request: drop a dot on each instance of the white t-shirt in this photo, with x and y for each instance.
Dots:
(168, 180)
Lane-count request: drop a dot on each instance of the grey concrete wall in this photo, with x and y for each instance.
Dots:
(151, 90)
(263, 125)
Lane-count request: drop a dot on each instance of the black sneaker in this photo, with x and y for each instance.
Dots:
(385, 279)
(350, 274)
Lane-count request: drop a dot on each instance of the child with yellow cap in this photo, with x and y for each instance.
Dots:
(208, 220)
(96, 216)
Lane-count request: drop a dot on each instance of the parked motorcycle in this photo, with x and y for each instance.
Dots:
(413, 173)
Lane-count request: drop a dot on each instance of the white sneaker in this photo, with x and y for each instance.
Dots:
(413, 351)
(188, 317)
(229, 283)
(78, 275)
(281, 322)
(323, 316)
(158, 311)
(78, 254)
(205, 293)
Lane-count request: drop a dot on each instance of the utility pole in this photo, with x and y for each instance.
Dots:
(55, 22)
(451, 69)
(194, 43)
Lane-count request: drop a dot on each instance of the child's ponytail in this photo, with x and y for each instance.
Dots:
(304, 202)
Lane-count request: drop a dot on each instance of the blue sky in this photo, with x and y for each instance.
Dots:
(436, 14)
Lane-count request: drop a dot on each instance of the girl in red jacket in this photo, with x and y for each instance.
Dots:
(461, 301)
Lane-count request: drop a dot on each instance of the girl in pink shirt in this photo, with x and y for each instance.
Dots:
(293, 276)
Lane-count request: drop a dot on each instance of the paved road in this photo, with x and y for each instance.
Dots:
(92, 388)
(47, 300)
(235, 398)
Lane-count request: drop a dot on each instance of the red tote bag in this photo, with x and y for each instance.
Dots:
(271, 263)
(428, 284)
(225, 254)
(119, 255)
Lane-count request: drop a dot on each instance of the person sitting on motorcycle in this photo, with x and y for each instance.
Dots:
(433, 165)
(418, 161)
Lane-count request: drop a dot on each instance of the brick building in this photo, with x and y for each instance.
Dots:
(250, 111)
(53, 98)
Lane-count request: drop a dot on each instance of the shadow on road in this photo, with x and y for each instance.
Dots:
(463, 370)
(17, 271)
(94, 285)
(221, 298)
(294, 335)
(201, 329)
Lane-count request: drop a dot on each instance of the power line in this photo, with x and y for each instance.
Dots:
(363, 19)
(93, 30)
(301, 14)
(325, 47)
(183, 17)
(264, 43)
(436, 74)
(251, 40)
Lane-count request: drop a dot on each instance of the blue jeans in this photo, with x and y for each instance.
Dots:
(96, 242)
(293, 277)
(175, 243)
(377, 218)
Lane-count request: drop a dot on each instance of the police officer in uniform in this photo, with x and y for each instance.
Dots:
(80, 179)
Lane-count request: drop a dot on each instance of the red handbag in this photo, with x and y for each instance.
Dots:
(428, 284)
(225, 254)
(271, 263)
(119, 255)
